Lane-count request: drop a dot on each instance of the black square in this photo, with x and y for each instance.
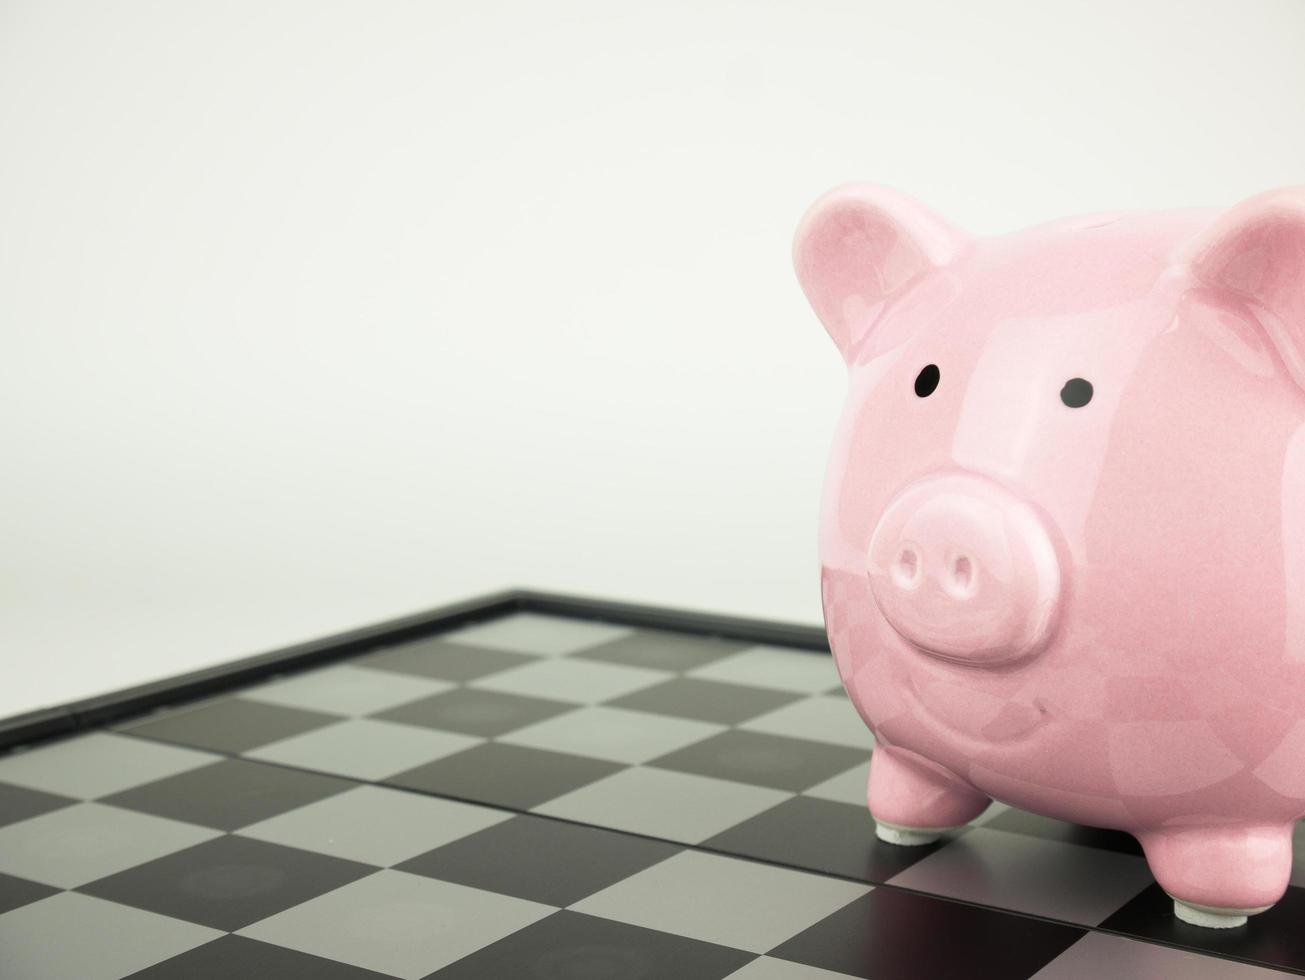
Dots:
(541, 860)
(1033, 825)
(504, 775)
(445, 661)
(891, 934)
(1273, 938)
(232, 957)
(475, 712)
(228, 882)
(233, 725)
(16, 892)
(662, 650)
(777, 761)
(19, 803)
(820, 835)
(572, 945)
(714, 701)
(229, 794)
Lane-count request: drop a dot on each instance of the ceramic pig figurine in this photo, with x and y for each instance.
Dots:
(1063, 532)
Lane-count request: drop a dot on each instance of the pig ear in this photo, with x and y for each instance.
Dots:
(1256, 253)
(860, 245)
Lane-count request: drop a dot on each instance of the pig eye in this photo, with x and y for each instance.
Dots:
(927, 380)
(1076, 393)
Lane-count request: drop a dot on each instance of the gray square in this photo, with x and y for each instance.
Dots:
(1099, 955)
(995, 810)
(20, 803)
(230, 725)
(571, 679)
(742, 904)
(472, 712)
(510, 776)
(346, 690)
(90, 766)
(364, 748)
(405, 925)
(823, 718)
(17, 892)
(767, 968)
(433, 657)
(230, 794)
(780, 668)
(690, 697)
(228, 882)
(548, 636)
(375, 825)
(1027, 874)
(571, 946)
(658, 803)
(663, 650)
(70, 935)
(81, 843)
(613, 734)
(555, 862)
(792, 764)
(847, 787)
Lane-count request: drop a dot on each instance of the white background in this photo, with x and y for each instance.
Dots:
(319, 313)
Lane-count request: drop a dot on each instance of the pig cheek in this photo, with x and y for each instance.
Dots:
(888, 439)
(1281, 770)
(874, 681)
(1293, 536)
(1187, 457)
(1059, 703)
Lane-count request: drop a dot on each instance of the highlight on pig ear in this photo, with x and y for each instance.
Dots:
(858, 246)
(1256, 253)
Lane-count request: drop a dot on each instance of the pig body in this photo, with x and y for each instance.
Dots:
(1063, 530)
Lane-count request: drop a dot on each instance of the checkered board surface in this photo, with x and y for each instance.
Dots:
(552, 798)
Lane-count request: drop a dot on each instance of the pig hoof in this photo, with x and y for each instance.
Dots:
(1212, 918)
(907, 836)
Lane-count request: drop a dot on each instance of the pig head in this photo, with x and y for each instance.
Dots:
(1063, 533)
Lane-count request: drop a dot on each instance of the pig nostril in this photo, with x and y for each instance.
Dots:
(961, 580)
(962, 571)
(906, 570)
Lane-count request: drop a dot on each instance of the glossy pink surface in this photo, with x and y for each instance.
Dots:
(1093, 612)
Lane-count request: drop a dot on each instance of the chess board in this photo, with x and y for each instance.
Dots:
(562, 797)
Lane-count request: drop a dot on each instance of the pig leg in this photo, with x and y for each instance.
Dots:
(915, 801)
(1217, 876)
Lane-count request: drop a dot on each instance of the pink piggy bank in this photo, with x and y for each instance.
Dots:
(1063, 528)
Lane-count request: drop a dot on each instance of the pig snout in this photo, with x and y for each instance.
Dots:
(965, 570)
